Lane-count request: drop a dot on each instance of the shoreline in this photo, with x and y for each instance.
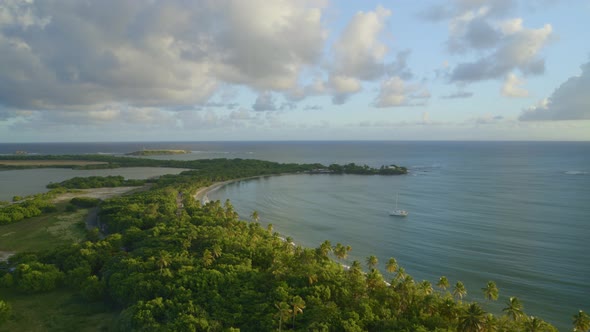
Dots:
(202, 192)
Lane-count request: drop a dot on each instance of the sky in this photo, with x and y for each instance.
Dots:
(211, 70)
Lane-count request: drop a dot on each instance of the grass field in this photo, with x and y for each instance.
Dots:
(59, 310)
(43, 232)
(62, 309)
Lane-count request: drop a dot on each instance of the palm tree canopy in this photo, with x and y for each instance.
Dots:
(459, 290)
(534, 324)
(426, 287)
(514, 308)
(443, 283)
(372, 262)
(283, 310)
(491, 291)
(341, 251)
(472, 319)
(581, 321)
(391, 265)
(298, 305)
(255, 215)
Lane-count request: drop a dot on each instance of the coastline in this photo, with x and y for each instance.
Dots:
(205, 190)
(202, 192)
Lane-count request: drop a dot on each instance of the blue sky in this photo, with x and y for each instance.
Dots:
(123, 70)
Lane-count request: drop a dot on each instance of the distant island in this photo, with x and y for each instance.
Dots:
(156, 152)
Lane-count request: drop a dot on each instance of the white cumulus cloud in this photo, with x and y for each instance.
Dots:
(86, 55)
(570, 101)
(395, 92)
(495, 44)
(359, 53)
(512, 86)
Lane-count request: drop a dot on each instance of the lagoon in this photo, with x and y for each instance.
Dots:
(32, 181)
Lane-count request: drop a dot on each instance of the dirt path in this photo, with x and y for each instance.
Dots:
(92, 218)
(101, 193)
(5, 255)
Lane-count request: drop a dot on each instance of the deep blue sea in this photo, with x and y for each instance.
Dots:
(517, 213)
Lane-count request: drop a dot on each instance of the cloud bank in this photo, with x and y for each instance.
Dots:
(84, 55)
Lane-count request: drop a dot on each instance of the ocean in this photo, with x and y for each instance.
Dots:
(517, 213)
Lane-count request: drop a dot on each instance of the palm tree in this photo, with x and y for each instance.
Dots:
(534, 324)
(372, 262)
(425, 287)
(391, 265)
(581, 322)
(298, 306)
(471, 319)
(374, 279)
(443, 283)
(489, 323)
(401, 274)
(216, 250)
(448, 308)
(312, 278)
(207, 258)
(284, 312)
(514, 308)
(254, 216)
(341, 251)
(356, 266)
(164, 260)
(490, 291)
(459, 290)
(325, 248)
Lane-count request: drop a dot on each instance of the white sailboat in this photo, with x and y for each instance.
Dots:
(398, 212)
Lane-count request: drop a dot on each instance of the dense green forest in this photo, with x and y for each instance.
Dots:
(167, 263)
(96, 182)
(253, 167)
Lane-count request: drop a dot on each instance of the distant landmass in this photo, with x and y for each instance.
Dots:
(156, 152)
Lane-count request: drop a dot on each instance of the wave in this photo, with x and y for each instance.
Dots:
(210, 152)
(422, 169)
(575, 172)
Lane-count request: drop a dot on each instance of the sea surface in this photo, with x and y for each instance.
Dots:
(517, 213)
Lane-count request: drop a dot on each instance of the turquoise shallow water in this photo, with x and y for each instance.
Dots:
(517, 213)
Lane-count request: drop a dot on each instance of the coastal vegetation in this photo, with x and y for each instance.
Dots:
(28, 162)
(96, 182)
(28, 206)
(168, 263)
(254, 167)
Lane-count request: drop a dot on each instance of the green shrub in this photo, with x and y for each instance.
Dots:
(71, 208)
(85, 202)
(37, 277)
(5, 311)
